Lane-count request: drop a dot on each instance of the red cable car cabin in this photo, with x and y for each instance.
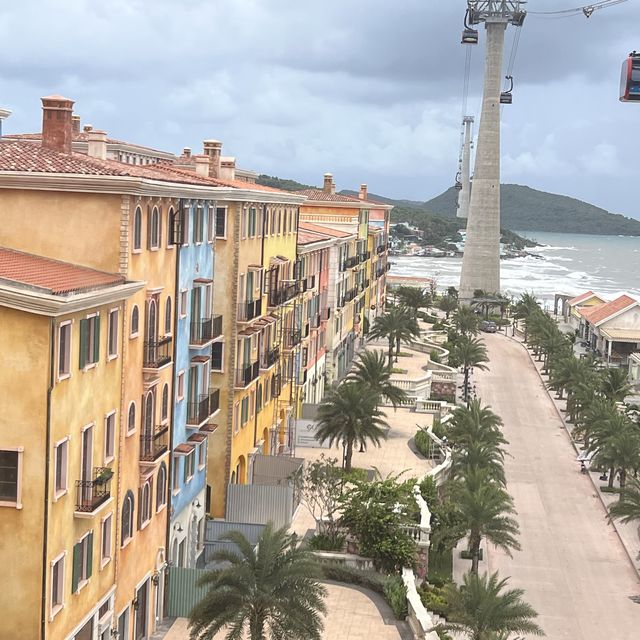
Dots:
(630, 79)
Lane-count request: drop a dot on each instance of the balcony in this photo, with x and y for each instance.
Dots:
(91, 494)
(381, 249)
(380, 271)
(326, 313)
(206, 404)
(365, 255)
(269, 358)
(155, 444)
(158, 353)
(351, 294)
(246, 374)
(292, 338)
(247, 311)
(353, 261)
(276, 386)
(315, 321)
(311, 282)
(305, 330)
(283, 294)
(205, 331)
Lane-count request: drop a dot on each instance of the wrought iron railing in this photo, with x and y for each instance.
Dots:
(90, 494)
(203, 407)
(246, 374)
(158, 353)
(153, 445)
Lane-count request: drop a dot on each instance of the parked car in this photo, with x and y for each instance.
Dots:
(488, 326)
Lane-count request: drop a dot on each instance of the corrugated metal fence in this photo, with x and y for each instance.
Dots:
(184, 592)
(260, 504)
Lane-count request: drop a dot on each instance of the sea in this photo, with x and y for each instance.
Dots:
(564, 263)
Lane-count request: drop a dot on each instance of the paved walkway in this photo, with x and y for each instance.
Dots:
(354, 614)
(573, 567)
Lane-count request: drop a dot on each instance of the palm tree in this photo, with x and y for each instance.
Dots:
(482, 609)
(475, 424)
(486, 510)
(413, 298)
(397, 325)
(373, 374)
(615, 384)
(270, 589)
(627, 509)
(348, 416)
(448, 304)
(524, 308)
(479, 456)
(466, 321)
(470, 352)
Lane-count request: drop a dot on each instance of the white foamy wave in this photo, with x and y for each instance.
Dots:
(548, 247)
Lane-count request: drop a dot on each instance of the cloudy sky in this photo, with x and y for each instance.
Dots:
(370, 90)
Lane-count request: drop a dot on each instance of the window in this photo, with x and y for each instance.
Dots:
(252, 222)
(61, 456)
(252, 403)
(245, 411)
(154, 229)
(217, 352)
(109, 436)
(112, 343)
(167, 317)
(64, 350)
(189, 466)
(82, 562)
(123, 624)
(131, 419)
(137, 229)
(89, 341)
(183, 303)
(210, 224)
(198, 224)
(173, 227)
(57, 584)
(127, 518)
(202, 455)
(221, 222)
(164, 407)
(176, 474)
(105, 547)
(144, 508)
(161, 489)
(135, 321)
(180, 385)
(236, 417)
(10, 477)
(259, 399)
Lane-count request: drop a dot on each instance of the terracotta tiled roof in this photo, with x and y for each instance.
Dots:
(319, 195)
(52, 276)
(600, 313)
(309, 238)
(581, 298)
(321, 229)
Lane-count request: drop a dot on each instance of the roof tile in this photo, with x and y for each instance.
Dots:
(600, 313)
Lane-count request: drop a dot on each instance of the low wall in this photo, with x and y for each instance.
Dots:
(418, 617)
(346, 559)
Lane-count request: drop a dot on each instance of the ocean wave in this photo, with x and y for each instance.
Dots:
(548, 247)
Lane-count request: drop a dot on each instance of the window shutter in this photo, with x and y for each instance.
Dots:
(139, 507)
(84, 325)
(75, 577)
(96, 340)
(89, 554)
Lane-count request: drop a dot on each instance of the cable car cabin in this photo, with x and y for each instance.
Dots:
(630, 79)
(458, 185)
(506, 97)
(469, 36)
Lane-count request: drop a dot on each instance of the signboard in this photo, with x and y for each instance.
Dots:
(306, 435)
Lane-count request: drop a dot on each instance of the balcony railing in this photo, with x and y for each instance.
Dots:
(246, 374)
(292, 338)
(153, 445)
(351, 294)
(158, 353)
(326, 313)
(249, 310)
(276, 386)
(315, 321)
(311, 282)
(364, 256)
(381, 249)
(203, 407)
(283, 294)
(353, 261)
(380, 271)
(269, 358)
(205, 330)
(90, 494)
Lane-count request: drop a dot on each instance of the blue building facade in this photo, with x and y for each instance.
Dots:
(195, 403)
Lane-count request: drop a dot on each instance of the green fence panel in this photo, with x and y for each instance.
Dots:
(184, 591)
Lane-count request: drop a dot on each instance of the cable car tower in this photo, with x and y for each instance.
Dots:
(481, 260)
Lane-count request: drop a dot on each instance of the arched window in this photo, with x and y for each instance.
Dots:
(137, 229)
(149, 413)
(135, 321)
(154, 228)
(131, 418)
(127, 517)
(164, 410)
(144, 509)
(171, 228)
(259, 399)
(167, 317)
(161, 488)
(152, 321)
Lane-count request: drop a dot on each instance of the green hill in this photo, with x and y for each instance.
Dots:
(533, 210)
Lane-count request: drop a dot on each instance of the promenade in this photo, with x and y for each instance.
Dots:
(573, 567)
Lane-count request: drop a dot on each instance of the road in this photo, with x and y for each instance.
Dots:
(572, 565)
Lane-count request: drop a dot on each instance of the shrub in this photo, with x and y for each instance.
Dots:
(434, 355)
(433, 599)
(356, 475)
(326, 542)
(429, 491)
(422, 441)
(350, 575)
(398, 370)
(396, 594)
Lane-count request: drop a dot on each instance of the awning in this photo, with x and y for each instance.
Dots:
(208, 429)
(621, 335)
(203, 280)
(200, 359)
(183, 449)
(197, 438)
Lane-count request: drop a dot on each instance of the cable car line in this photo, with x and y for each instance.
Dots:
(587, 10)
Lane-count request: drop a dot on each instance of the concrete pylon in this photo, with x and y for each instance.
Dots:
(465, 170)
(481, 259)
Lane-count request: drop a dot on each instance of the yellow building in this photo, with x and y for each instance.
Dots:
(61, 333)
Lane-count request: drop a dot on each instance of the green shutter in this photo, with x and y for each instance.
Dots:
(96, 340)
(84, 327)
(89, 554)
(75, 577)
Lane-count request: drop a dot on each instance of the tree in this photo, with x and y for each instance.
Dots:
(348, 416)
(413, 298)
(627, 509)
(397, 325)
(271, 590)
(487, 509)
(524, 308)
(448, 304)
(470, 352)
(473, 425)
(479, 456)
(466, 321)
(615, 384)
(483, 609)
(373, 374)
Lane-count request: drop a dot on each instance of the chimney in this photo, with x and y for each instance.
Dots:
(57, 127)
(4, 114)
(328, 186)
(186, 152)
(76, 123)
(87, 128)
(363, 192)
(213, 150)
(202, 165)
(228, 168)
(97, 144)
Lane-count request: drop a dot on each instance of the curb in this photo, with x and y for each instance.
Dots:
(628, 553)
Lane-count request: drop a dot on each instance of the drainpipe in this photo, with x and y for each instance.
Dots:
(255, 417)
(43, 615)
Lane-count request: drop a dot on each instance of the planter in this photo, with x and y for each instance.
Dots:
(104, 477)
(607, 489)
